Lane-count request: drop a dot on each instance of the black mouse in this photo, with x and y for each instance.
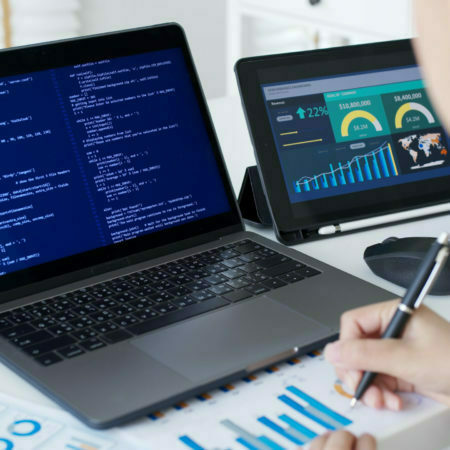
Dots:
(397, 261)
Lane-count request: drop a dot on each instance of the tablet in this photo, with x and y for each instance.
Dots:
(343, 134)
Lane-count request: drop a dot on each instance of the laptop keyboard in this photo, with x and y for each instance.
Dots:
(69, 325)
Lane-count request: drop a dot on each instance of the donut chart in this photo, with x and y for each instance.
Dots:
(412, 106)
(359, 113)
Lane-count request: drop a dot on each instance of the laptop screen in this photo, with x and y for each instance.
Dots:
(100, 153)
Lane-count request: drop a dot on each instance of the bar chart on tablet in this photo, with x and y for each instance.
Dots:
(374, 165)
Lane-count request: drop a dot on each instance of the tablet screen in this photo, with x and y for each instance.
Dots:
(355, 132)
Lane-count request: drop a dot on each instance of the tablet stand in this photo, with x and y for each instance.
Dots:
(252, 201)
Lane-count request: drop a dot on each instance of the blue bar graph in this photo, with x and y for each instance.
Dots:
(375, 165)
(246, 444)
(265, 440)
(319, 406)
(281, 431)
(299, 408)
(298, 426)
(190, 443)
(289, 429)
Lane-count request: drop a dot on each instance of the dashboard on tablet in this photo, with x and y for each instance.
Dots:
(354, 132)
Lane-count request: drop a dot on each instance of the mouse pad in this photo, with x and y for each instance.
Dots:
(230, 340)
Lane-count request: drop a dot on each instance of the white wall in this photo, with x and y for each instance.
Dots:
(203, 20)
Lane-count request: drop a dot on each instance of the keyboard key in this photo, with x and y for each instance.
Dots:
(180, 279)
(291, 277)
(143, 291)
(179, 291)
(175, 269)
(161, 297)
(250, 268)
(32, 338)
(49, 345)
(87, 333)
(274, 283)
(81, 298)
(238, 295)
(233, 262)
(256, 277)
(61, 329)
(126, 320)
(48, 359)
(220, 289)
(238, 283)
(139, 281)
(102, 328)
(125, 297)
(17, 331)
(4, 323)
(250, 257)
(215, 268)
(181, 314)
(183, 301)
(247, 248)
(92, 344)
(120, 286)
(202, 295)
(117, 336)
(227, 254)
(164, 308)
(141, 303)
(257, 289)
(20, 318)
(233, 273)
(145, 314)
(122, 310)
(283, 268)
(102, 316)
(198, 285)
(272, 261)
(156, 275)
(216, 279)
(198, 274)
(82, 322)
(162, 285)
(71, 351)
(308, 272)
(65, 316)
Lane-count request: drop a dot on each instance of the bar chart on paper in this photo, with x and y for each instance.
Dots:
(374, 165)
(280, 408)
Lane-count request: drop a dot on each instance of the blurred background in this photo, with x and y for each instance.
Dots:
(219, 31)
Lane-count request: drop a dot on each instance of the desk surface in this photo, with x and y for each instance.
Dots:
(344, 252)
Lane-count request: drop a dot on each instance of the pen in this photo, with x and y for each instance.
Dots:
(379, 220)
(426, 276)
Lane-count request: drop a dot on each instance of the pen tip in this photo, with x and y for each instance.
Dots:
(353, 402)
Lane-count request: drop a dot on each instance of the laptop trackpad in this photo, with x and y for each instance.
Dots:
(231, 339)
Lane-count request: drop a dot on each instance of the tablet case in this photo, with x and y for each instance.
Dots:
(252, 201)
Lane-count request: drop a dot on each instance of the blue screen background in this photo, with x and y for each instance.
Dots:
(99, 153)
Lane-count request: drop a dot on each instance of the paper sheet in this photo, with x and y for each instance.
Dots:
(26, 426)
(280, 408)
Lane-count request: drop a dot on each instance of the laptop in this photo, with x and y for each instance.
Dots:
(128, 281)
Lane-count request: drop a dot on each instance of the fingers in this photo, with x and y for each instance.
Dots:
(343, 440)
(369, 320)
(388, 356)
(366, 442)
(339, 440)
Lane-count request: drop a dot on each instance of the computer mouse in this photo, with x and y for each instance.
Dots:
(397, 260)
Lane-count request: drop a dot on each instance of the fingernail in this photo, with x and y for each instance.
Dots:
(333, 352)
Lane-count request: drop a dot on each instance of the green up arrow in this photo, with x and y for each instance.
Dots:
(301, 112)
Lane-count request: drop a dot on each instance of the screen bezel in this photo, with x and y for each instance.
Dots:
(52, 55)
(289, 217)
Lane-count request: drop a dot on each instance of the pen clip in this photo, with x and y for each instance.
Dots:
(440, 260)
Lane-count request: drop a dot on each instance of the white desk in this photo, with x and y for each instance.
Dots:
(344, 252)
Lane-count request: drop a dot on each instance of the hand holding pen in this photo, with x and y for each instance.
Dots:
(417, 362)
